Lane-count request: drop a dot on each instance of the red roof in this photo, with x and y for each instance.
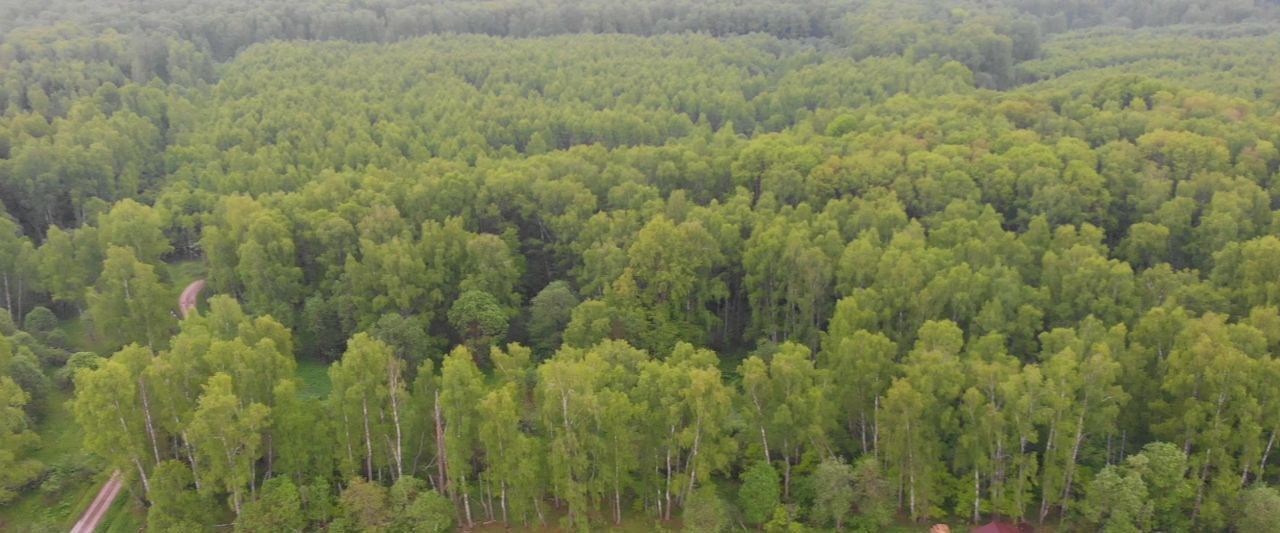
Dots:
(997, 527)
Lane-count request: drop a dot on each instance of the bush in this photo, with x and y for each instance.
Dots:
(25, 370)
(759, 493)
(364, 506)
(65, 473)
(1260, 509)
(277, 508)
(64, 377)
(833, 492)
(44, 354)
(7, 326)
(49, 356)
(783, 521)
(40, 320)
(705, 511)
(57, 339)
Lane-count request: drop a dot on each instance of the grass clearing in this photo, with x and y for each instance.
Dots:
(71, 480)
(314, 378)
(126, 515)
(83, 338)
(183, 273)
(601, 520)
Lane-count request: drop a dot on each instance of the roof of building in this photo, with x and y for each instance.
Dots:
(999, 527)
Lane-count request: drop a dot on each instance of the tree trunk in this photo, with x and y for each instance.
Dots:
(693, 456)
(786, 476)
(862, 425)
(368, 441)
(191, 455)
(394, 382)
(875, 428)
(1204, 476)
(1262, 465)
(617, 502)
(146, 417)
(466, 501)
(417, 454)
(667, 511)
(1071, 467)
(977, 492)
(8, 298)
(911, 472)
(20, 291)
(346, 431)
(1044, 490)
(503, 501)
(441, 461)
(488, 501)
(142, 475)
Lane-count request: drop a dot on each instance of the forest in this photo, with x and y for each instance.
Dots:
(654, 265)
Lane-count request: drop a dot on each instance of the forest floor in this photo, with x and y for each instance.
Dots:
(313, 376)
(55, 504)
(73, 477)
(641, 523)
(631, 523)
(107, 495)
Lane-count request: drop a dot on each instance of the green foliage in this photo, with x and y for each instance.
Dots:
(833, 491)
(17, 438)
(25, 370)
(176, 505)
(367, 392)
(277, 508)
(80, 360)
(783, 522)
(872, 495)
(135, 227)
(419, 509)
(549, 314)
(1116, 503)
(7, 326)
(408, 337)
(1163, 468)
(1259, 509)
(996, 254)
(129, 304)
(39, 320)
(759, 493)
(478, 319)
(705, 511)
(363, 506)
(228, 437)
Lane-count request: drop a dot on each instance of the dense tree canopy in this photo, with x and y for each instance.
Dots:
(826, 264)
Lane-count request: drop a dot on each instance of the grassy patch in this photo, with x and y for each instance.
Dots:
(314, 378)
(601, 520)
(83, 338)
(182, 273)
(60, 435)
(71, 479)
(126, 515)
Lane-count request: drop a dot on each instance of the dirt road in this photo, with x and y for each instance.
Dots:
(187, 301)
(98, 509)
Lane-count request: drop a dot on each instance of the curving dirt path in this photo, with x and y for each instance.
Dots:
(102, 502)
(187, 301)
